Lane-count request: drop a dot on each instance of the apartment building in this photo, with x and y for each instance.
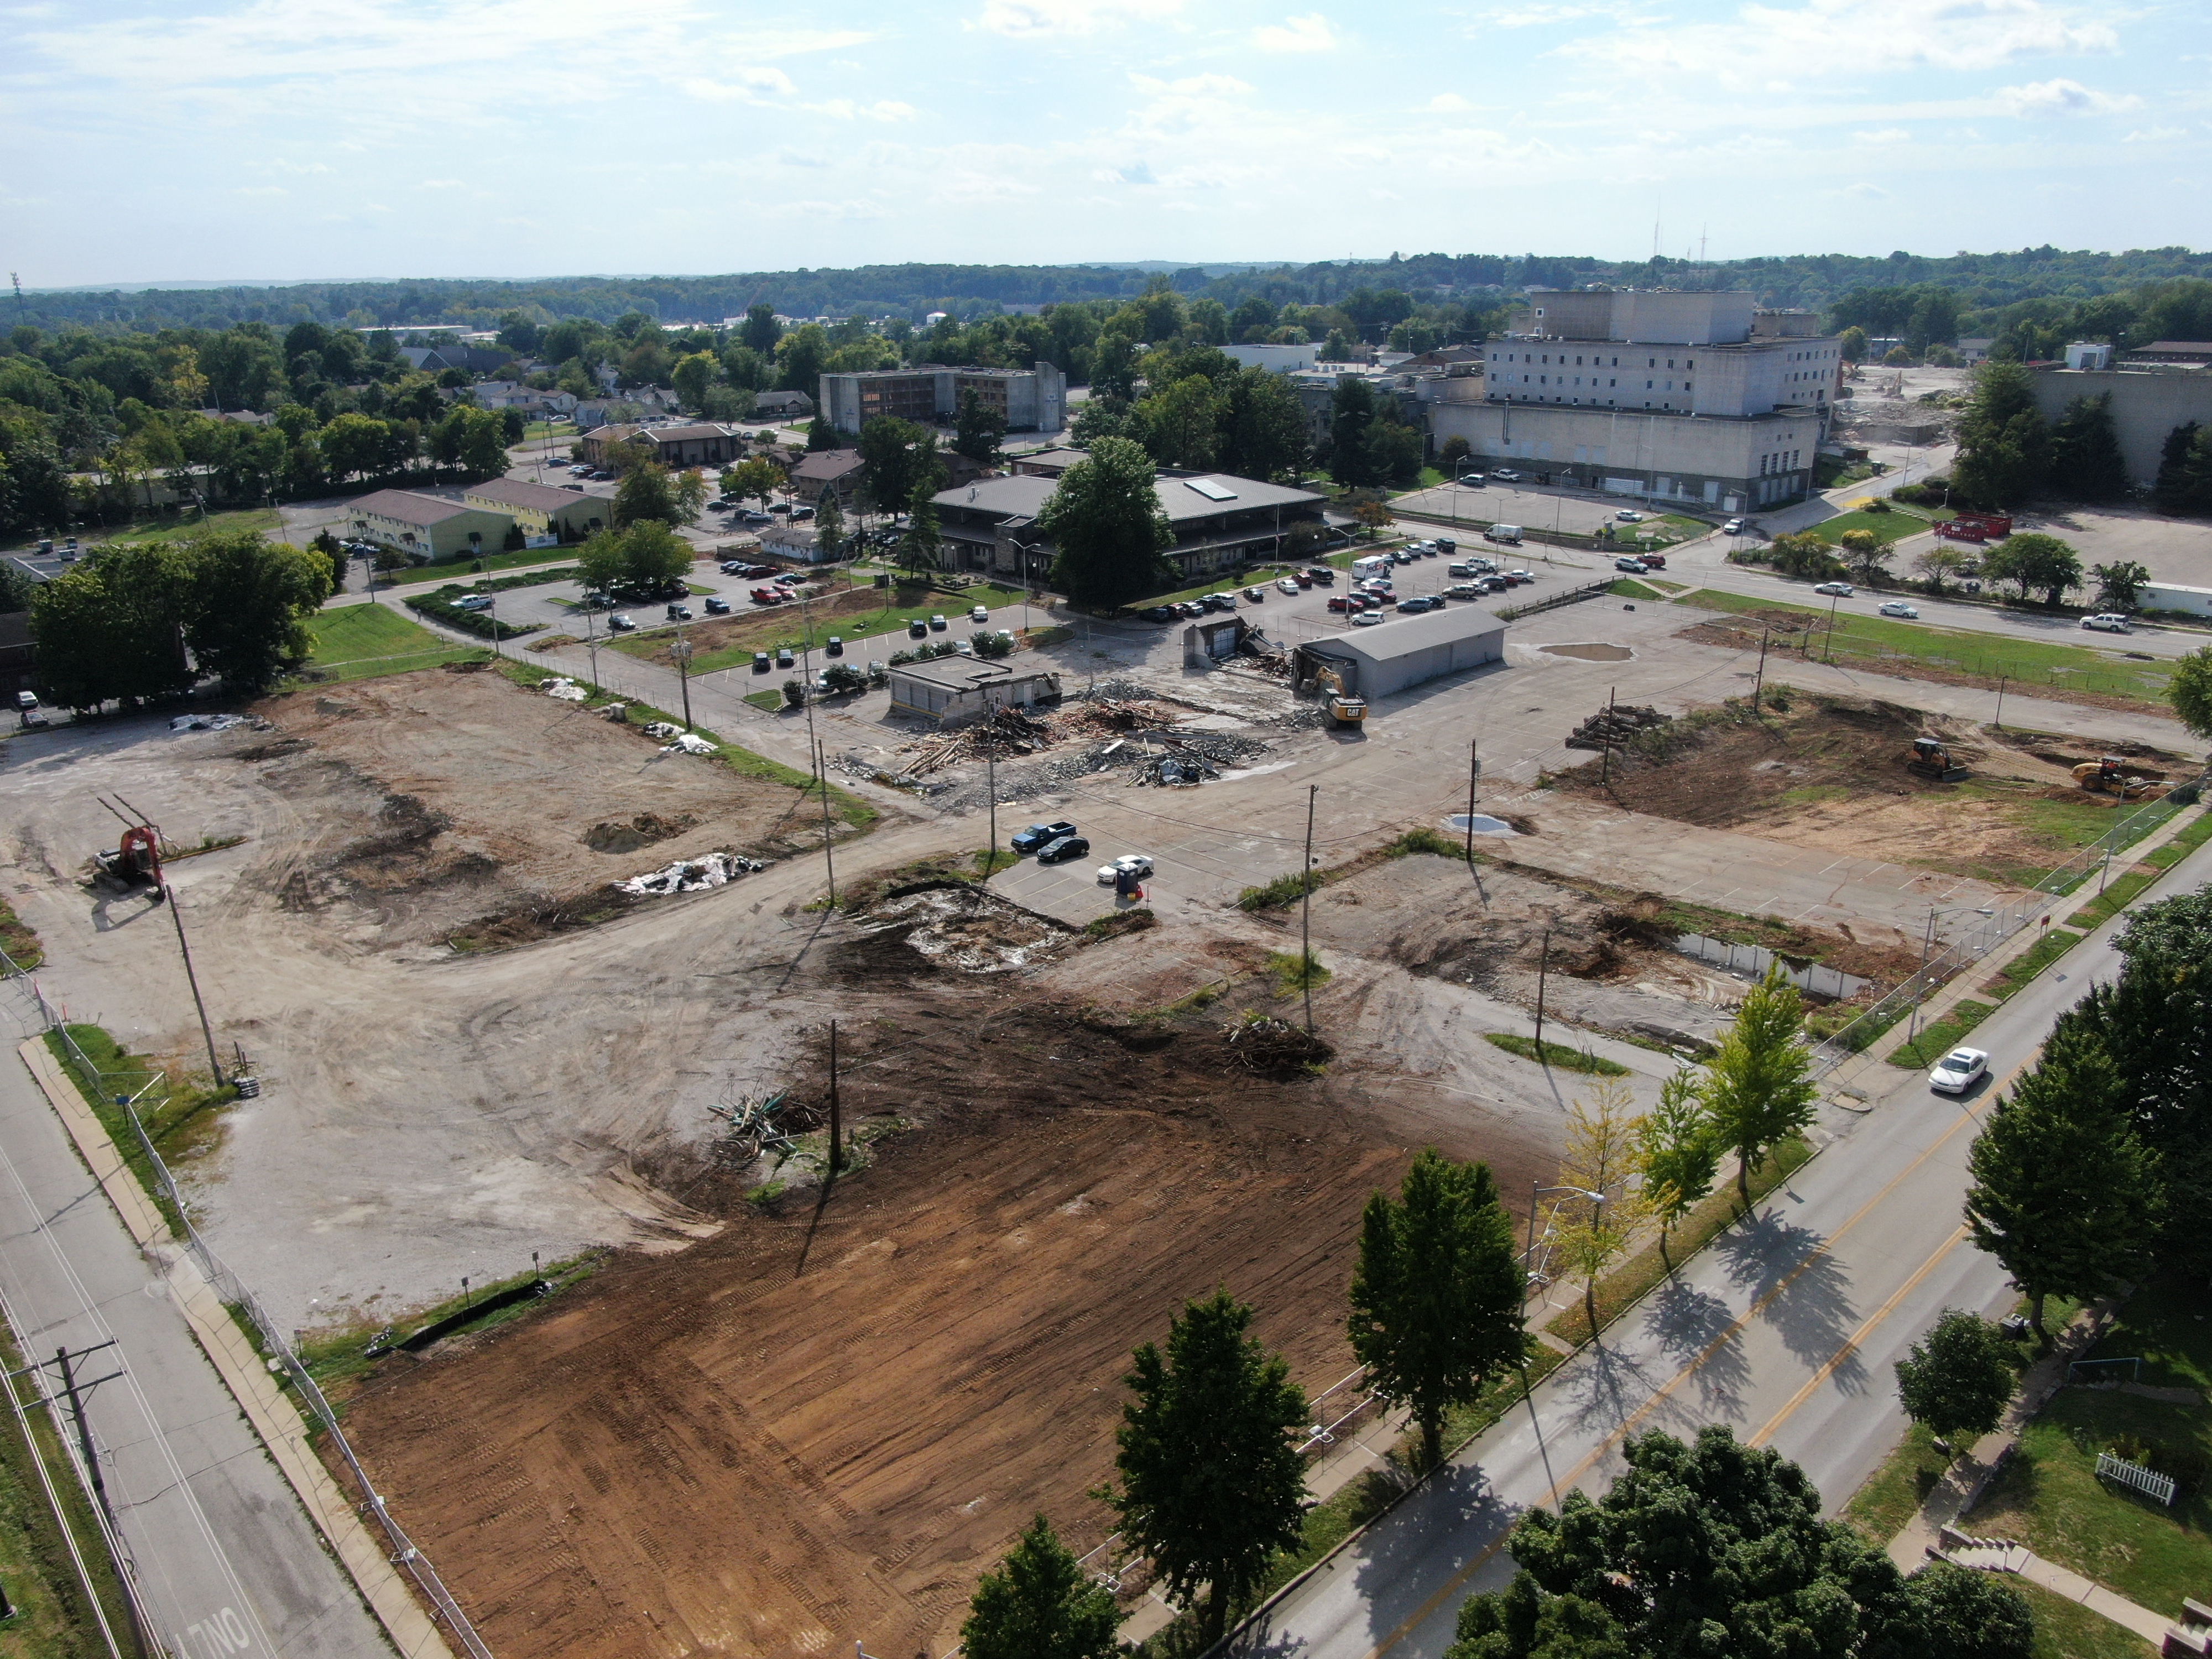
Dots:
(1027, 399)
(1699, 398)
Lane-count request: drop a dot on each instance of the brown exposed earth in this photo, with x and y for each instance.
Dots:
(1830, 771)
(825, 1421)
(440, 799)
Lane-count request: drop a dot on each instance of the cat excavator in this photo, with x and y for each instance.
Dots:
(2116, 775)
(1344, 710)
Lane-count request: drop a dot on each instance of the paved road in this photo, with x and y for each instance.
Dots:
(1786, 1330)
(227, 1561)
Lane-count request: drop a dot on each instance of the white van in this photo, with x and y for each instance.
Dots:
(1506, 535)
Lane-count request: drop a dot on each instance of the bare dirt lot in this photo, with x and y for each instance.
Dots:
(825, 1421)
(442, 798)
(1830, 771)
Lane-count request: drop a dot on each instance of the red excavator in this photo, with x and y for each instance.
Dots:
(136, 860)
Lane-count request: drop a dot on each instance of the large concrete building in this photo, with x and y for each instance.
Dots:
(1220, 522)
(2149, 399)
(1697, 398)
(1028, 400)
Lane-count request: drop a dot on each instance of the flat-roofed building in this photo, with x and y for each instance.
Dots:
(953, 691)
(1404, 650)
(1027, 399)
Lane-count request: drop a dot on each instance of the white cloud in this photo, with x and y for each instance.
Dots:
(1308, 33)
(1446, 102)
(1883, 135)
(1027, 20)
(746, 86)
(1863, 191)
(2156, 135)
(2060, 97)
(844, 109)
(444, 184)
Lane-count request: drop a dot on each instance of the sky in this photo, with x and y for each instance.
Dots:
(296, 139)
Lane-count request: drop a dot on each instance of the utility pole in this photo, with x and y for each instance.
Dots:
(1766, 633)
(591, 641)
(83, 1433)
(1473, 773)
(836, 1123)
(1605, 759)
(1999, 721)
(829, 862)
(1543, 969)
(1305, 909)
(1834, 600)
(207, 1031)
(681, 651)
(991, 852)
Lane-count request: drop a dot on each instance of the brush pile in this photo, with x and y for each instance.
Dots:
(1012, 732)
(1276, 1049)
(1611, 727)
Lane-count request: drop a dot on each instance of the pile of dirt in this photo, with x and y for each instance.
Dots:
(642, 830)
(885, 1378)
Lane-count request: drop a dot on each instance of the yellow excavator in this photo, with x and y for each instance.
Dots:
(2115, 775)
(1344, 709)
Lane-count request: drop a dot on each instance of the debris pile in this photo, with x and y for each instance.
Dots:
(217, 722)
(691, 875)
(1010, 733)
(1181, 768)
(663, 729)
(1276, 1049)
(760, 1123)
(1611, 727)
(688, 743)
(565, 689)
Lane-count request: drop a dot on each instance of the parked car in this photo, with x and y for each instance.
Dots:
(1493, 583)
(1137, 864)
(1959, 1070)
(977, 613)
(1507, 474)
(1323, 575)
(761, 664)
(916, 628)
(1061, 851)
(1733, 527)
(1653, 560)
(1465, 591)
(1041, 835)
(1287, 586)
(717, 606)
(1256, 594)
(834, 647)
(1158, 613)
(754, 515)
(578, 488)
(1899, 608)
(473, 602)
(1505, 535)
(783, 657)
(937, 621)
(1841, 590)
(619, 623)
(1629, 515)
(1366, 619)
(1519, 578)
(1633, 565)
(1400, 555)
(679, 613)
(723, 506)
(735, 568)
(1418, 604)
(2110, 622)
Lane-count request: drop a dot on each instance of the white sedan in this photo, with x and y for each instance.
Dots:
(1959, 1070)
(1137, 864)
(1287, 586)
(1899, 608)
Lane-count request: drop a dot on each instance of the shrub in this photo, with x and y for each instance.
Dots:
(1281, 891)
(794, 694)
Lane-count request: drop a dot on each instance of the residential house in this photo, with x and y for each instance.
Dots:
(823, 471)
(547, 516)
(427, 528)
(675, 445)
(782, 405)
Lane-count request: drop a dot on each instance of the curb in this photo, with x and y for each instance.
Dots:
(276, 1422)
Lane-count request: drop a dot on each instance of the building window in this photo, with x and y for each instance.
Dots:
(1647, 386)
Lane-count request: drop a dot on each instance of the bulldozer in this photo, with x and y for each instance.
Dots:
(1930, 759)
(1344, 710)
(2116, 775)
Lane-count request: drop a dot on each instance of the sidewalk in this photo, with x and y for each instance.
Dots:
(275, 1419)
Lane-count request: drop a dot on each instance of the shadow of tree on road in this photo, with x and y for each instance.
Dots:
(1805, 1290)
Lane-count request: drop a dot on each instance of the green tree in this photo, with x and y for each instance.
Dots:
(1107, 525)
(761, 331)
(820, 435)
(484, 443)
(800, 357)
(354, 446)
(2086, 462)
(2032, 562)
(919, 547)
(688, 489)
(897, 454)
(1353, 461)
(1264, 429)
(1852, 343)
(1454, 450)
(1436, 1296)
(1719, 1549)
(639, 558)
(829, 524)
(694, 372)
(1603, 1134)
(1678, 1154)
(1959, 1378)
(333, 555)
(645, 493)
(1372, 514)
(250, 601)
(2189, 690)
(2185, 470)
(2119, 584)
(1937, 562)
(2065, 1194)
(1210, 1482)
(112, 629)
(2003, 446)
(1865, 555)
(979, 429)
(1760, 1082)
(1038, 1605)
(757, 475)
(1181, 423)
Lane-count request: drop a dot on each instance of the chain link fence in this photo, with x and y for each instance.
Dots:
(1840, 1057)
(131, 1089)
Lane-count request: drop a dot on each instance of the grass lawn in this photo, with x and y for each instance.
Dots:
(361, 641)
(1894, 1492)
(166, 525)
(2067, 1630)
(1883, 644)
(1893, 526)
(463, 570)
(1629, 589)
(1938, 1040)
(2049, 1496)
(2183, 844)
(1556, 1053)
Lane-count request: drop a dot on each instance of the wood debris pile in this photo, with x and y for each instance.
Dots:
(1276, 1049)
(1611, 727)
(1010, 733)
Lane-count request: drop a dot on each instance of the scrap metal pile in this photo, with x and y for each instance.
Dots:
(1611, 727)
(691, 875)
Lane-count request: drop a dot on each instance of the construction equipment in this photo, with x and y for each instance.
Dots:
(1344, 709)
(2115, 775)
(1930, 759)
(136, 860)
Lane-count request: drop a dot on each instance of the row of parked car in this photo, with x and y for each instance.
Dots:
(1319, 575)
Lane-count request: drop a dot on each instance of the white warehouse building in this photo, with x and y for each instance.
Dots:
(1696, 398)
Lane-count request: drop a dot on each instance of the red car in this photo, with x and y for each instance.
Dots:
(1344, 602)
(1302, 579)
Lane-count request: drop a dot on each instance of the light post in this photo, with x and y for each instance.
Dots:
(1535, 1192)
(1927, 945)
